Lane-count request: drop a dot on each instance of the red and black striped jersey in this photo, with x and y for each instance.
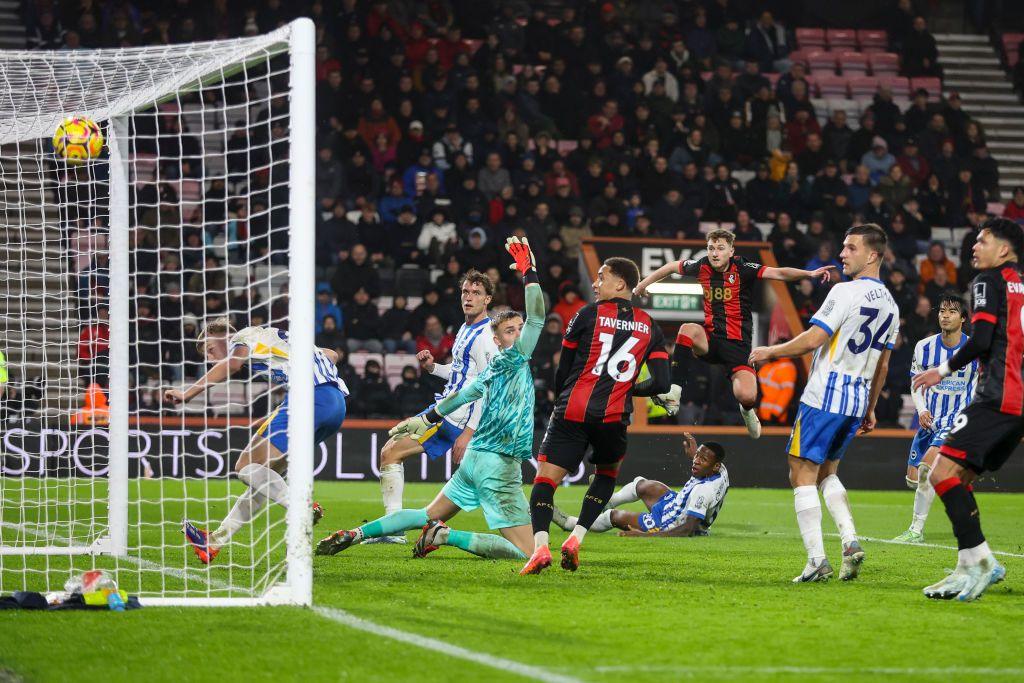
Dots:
(998, 298)
(611, 340)
(726, 295)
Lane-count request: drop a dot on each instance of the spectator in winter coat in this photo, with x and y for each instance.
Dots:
(937, 260)
(569, 302)
(767, 43)
(413, 393)
(478, 254)
(492, 178)
(374, 398)
(362, 323)
(355, 272)
(396, 327)
(438, 234)
(326, 306)
(1014, 209)
(878, 160)
(914, 166)
(435, 340)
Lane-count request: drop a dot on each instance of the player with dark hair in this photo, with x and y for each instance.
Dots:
(689, 512)
(986, 432)
(851, 335)
(605, 345)
(937, 407)
(725, 336)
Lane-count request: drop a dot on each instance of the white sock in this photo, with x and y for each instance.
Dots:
(834, 493)
(540, 539)
(923, 497)
(392, 485)
(266, 482)
(808, 518)
(602, 523)
(979, 552)
(579, 532)
(245, 508)
(627, 494)
(964, 558)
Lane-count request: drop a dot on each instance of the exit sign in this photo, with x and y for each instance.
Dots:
(677, 302)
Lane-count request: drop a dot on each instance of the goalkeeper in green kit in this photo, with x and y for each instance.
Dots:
(490, 475)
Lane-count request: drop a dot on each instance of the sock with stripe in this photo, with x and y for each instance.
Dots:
(594, 502)
(808, 518)
(394, 523)
(962, 511)
(682, 354)
(542, 509)
(627, 494)
(838, 503)
(490, 546)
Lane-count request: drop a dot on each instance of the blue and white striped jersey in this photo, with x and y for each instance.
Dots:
(862, 321)
(268, 355)
(474, 348)
(953, 393)
(700, 498)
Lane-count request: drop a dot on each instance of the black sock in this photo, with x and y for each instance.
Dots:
(681, 356)
(542, 504)
(962, 511)
(596, 499)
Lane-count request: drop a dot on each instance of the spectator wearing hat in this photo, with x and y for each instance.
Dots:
(326, 305)
(914, 166)
(411, 145)
(478, 253)
(412, 393)
(878, 160)
(374, 398)
(329, 334)
(918, 113)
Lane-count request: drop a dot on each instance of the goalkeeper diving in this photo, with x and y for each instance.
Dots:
(490, 476)
(263, 461)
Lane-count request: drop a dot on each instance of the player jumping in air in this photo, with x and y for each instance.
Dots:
(605, 345)
(474, 347)
(986, 432)
(851, 335)
(688, 512)
(490, 475)
(724, 338)
(263, 461)
(937, 407)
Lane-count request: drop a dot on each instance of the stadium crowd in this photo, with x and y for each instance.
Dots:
(445, 126)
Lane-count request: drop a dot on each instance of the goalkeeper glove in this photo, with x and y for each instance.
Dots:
(519, 250)
(413, 427)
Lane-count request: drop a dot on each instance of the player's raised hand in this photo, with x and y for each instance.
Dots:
(412, 427)
(824, 274)
(689, 444)
(426, 359)
(760, 354)
(174, 396)
(926, 379)
(640, 289)
(519, 250)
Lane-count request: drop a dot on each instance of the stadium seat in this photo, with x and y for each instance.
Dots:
(841, 38)
(411, 281)
(853, 63)
(831, 86)
(394, 364)
(871, 40)
(899, 86)
(851, 107)
(930, 83)
(820, 105)
(821, 62)
(810, 38)
(801, 55)
(144, 166)
(566, 147)
(358, 360)
(863, 86)
(1011, 45)
(884, 63)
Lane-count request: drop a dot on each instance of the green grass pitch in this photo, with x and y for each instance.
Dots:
(717, 608)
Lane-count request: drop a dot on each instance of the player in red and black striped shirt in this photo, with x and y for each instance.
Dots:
(724, 338)
(987, 431)
(605, 345)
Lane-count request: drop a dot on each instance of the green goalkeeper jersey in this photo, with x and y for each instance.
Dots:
(506, 425)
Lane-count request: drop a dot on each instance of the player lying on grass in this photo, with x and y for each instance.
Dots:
(262, 462)
(724, 338)
(987, 432)
(473, 349)
(490, 475)
(688, 512)
(937, 407)
(851, 335)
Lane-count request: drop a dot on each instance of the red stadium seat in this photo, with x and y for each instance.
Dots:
(810, 38)
(853, 63)
(821, 61)
(800, 55)
(871, 40)
(899, 85)
(830, 85)
(841, 38)
(931, 84)
(884, 63)
(1011, 45)
(863, 86)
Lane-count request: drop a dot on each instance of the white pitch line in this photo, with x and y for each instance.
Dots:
(139, 562)
(526, 670)
(925, 545)
(809, 670)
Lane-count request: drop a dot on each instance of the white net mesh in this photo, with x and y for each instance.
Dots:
(204, 132)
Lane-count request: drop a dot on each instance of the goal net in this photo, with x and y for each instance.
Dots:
(200, 206)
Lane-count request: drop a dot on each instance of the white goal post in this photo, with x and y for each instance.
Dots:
(202, 205)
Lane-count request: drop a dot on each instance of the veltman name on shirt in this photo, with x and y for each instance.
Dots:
(877, 293)
(632, 325)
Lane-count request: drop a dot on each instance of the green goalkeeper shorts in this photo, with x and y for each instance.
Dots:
(493, 483)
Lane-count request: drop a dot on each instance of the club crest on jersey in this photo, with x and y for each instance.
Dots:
(732, 278)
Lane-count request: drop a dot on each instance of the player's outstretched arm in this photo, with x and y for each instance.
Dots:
(824, 274)
(660, 274)
(805, 342)
(418, 425)
(220, 371)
